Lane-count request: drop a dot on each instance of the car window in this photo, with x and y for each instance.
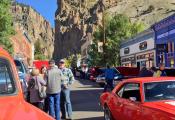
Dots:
(156, 91)
(6, 79)
(130, 90)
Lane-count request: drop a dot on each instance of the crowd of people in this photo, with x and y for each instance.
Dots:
(49, 89)
(144, 72)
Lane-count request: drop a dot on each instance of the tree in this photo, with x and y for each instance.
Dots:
(38, 51)
(6, 26)
(117, 29)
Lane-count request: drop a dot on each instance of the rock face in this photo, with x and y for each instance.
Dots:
(76, 20)
(37, 28)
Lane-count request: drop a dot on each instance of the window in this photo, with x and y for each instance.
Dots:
(126, 50)
(156, 91)
(6, 79)
(143, 45)
(130, 90)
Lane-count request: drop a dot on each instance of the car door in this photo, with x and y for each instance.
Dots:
(131, 97)
(116, 104)
(123, 107)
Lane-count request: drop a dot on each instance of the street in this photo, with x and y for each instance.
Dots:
(85, 97)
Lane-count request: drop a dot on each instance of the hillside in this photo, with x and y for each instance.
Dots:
(37, 27)
(76, 20)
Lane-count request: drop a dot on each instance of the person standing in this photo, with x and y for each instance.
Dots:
(43, 73)
(161, 71)
(34, 83)
(109, 77)
(66, 106)
(54, 78)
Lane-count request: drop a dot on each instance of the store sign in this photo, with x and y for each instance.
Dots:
(143, 45)
(100, 47)
(126, 50)
(129, 59)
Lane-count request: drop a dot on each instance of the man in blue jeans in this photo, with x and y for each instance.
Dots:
(65, 91)
(54, 79)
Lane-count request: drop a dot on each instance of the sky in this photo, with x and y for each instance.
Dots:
(46, 8)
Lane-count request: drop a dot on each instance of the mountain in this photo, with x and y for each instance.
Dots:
(36, 26)
(76, 20)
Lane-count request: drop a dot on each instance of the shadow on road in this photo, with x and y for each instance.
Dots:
(94, 118)
(86, 100)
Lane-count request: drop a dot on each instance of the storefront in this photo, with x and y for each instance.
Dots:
(139, 51)
(165, 41)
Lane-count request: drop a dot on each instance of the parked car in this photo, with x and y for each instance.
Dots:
(93, 73)
(40, 63)
(141, 99)
(12, 103)
(101, 78)
(129, 72)
(24, 75)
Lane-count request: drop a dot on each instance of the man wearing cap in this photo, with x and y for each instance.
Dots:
(65, 90)
(54, 78)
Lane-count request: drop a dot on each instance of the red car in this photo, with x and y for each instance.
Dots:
(141, 99)
(40, 63)
(12, 103)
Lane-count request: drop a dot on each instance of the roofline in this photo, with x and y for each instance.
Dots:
(139, 35)
(153, 26)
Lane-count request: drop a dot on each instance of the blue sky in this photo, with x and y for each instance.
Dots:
(46, 8)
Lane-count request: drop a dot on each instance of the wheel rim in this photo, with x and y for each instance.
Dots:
(107, 114)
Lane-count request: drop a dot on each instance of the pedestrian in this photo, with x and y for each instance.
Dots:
(35, 81)
(66, 106)
(161, 71)
(109, 77)
(153, 70)
(54, 78)
(43, 73)
(144, 72)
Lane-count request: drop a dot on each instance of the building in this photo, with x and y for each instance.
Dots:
(139, 51)
(165, 41)
(23, 47)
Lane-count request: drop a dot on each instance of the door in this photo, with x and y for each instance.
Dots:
(128, 104)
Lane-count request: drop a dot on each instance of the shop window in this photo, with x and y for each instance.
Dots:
(126, 50)
(143, 45)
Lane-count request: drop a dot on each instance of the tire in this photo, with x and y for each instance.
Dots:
(107, 114)
(101, 84)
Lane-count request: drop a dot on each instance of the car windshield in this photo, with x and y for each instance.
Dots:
(20, 66)
(6, 79)
(156, 91)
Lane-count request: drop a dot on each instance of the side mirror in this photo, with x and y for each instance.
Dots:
(133, 99)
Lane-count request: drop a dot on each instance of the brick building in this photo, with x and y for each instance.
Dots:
(23, 47)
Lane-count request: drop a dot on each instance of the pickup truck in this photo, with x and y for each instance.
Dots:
(12, 103)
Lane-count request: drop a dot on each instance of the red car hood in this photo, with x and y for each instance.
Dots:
(15, 109)
(166, 106)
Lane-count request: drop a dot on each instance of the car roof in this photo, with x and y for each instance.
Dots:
(150, 79)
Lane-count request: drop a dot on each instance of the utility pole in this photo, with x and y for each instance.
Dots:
(104, 36)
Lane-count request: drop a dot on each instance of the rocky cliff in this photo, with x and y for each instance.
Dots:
(37, 27)
(77, 19)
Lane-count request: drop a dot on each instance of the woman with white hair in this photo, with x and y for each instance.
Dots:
(35, 82)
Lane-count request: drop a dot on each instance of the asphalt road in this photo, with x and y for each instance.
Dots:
(85, 98)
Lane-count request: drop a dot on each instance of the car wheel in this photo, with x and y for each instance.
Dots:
(107, 114)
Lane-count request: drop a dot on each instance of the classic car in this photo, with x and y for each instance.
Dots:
(100, 79)
(148, 98)
(12, 103)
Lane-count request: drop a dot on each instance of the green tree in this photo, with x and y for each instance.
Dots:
(117, 29)
(38, 51)
(6, 27)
